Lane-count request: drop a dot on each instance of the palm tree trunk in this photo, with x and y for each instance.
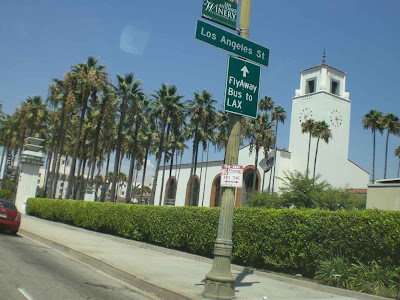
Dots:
(308, 155)
(118, 150)
(255, 169)
(103, 189)
(263, 180)
(159, 154)
(191, 171)
(398, 169)
(165, 162)
(144, 175)
(136, 176)
(75, 190)
(14, 155)
(315, 160)
(194, 173)
(270, 179)
(63, 177)
(95, 146)
(176, 159)
(276, 151)
(49, 157)
(205, 176)
(373, 157)
(180, 165)
(201, 168)
(133, 155)
(172, 162)
(386, 151)
(2, 156)
(76, 148)
(130, 179)
(81, 186)
(3, 180)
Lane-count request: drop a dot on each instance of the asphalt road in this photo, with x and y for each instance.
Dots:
(29, 270)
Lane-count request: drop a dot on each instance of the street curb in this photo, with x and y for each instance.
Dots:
(140, 283)
(296, 281)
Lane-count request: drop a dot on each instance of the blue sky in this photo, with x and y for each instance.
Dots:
(40, 40)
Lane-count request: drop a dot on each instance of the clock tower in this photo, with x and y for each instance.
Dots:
(322, 97)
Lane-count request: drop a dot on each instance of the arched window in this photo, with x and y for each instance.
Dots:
(216, 192)
(193, 191)
(170, 191)
(247, 187)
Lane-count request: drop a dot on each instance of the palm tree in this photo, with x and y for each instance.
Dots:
(127, 90)
(147, 141)
(397, 153)
(373, 120)
(279, 115)
(175, 119)
(221, 133)
(136, 113)
(165, 101)
(202, 117)
(391, 123)
(106, 109)
(321, 131)
(266, 104)
(90, 78)
(36, 112)
(308, 127)
(259, 133)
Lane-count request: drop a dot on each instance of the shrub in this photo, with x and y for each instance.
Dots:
(6, 194)
(9, 184)
(264, 199)
(335, 272)
(289, 240)
(300, 192)
(370, 277)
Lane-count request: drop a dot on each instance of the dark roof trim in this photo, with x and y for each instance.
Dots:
(323, 65)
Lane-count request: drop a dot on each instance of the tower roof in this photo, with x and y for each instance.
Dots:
(324, 64)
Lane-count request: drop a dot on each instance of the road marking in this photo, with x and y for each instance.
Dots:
(26, 295)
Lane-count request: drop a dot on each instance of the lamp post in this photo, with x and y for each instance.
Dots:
(220, 281)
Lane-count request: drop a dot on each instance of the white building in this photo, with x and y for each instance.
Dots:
(322, 97)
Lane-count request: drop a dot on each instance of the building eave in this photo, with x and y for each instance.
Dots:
(333, 95)
(323, 65)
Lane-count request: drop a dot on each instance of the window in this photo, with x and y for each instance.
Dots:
(310, 88)
(335, 87)
(122, 193)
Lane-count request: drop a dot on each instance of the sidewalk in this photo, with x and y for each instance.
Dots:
(168, 274)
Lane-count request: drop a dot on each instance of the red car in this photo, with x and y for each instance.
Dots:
(10, 218)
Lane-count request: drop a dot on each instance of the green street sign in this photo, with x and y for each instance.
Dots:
(242, 87)
(223, 12)
(230, 42)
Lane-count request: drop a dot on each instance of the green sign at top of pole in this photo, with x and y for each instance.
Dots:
(232, 43)
(223, 12)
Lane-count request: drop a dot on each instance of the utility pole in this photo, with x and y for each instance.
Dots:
(220, 281)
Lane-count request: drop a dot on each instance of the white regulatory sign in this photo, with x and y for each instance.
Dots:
(231, 176)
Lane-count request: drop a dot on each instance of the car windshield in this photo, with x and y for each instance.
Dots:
(7, 204)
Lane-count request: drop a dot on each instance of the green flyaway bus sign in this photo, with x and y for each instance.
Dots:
(242, 87)
(223, 12)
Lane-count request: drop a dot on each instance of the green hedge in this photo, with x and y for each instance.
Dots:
(290, 240)
(6, 194)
